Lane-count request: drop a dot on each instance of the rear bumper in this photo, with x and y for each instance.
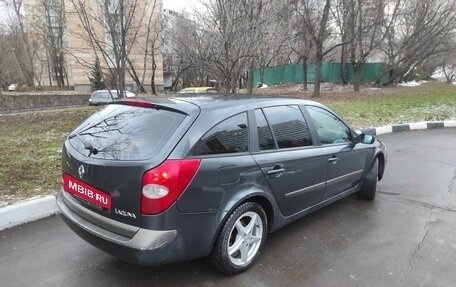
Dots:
(143, 246)
(146, 247)
(143, 239)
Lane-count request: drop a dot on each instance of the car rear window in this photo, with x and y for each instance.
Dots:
(120, 132)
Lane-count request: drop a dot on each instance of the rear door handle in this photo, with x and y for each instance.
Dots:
(275, 171)
(334, 159)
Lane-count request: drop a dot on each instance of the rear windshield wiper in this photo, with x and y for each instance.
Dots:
(88, 146)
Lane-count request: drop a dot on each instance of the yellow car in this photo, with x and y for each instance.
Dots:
(198, 90)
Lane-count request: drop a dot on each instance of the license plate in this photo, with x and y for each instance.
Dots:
(86, 192)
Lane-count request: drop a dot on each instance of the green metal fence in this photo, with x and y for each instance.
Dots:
(330, 72)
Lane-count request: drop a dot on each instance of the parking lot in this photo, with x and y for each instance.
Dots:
(406, 237)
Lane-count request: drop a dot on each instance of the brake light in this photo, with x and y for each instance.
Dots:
(137, 103)
(162, 185)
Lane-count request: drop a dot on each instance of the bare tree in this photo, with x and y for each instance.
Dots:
(184, 53)
(418, 31)
(228, 36)
(301, 42)
(446, 62)
(52, 28)
(343, 13)
(318, 35)
(361, 25)
(449, 70)
(10, 71)
(274, 44)
(317, 23)
(153, 44)
(22, 46)
(111, 28)
(149, 43)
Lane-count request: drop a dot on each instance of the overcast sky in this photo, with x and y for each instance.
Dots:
(180, 5)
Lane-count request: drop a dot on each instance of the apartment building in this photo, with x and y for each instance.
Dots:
(75, 32)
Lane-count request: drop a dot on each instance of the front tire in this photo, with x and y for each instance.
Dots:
(241, 239)
(369, 188)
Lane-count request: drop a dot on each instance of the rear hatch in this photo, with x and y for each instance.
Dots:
(104, 159)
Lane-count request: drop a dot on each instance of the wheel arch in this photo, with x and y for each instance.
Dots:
(260, 197)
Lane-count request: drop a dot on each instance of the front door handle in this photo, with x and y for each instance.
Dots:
(275, 171)
(333, 159)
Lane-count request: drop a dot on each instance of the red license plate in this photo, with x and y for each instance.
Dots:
(86, 192)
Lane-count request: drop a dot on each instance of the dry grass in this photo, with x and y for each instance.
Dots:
(372, 107)
(30, 150)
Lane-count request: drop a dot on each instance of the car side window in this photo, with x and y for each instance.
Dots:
(289, 127)
(110, 95)
(229, 136)
(265, 138)
(330, 129)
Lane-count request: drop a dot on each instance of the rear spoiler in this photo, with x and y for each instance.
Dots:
(143, 103)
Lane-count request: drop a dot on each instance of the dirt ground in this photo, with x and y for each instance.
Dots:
(329, 91)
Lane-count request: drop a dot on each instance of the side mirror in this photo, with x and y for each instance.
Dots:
(365, 139)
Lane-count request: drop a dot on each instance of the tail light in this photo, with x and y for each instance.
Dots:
(162, 185)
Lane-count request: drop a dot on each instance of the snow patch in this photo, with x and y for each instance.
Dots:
(412, 83)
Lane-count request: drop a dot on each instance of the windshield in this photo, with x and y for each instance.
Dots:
(121, 132)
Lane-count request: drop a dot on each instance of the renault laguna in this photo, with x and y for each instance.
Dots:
(158, 180)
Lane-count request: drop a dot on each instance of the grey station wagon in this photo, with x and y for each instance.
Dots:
(159, 180)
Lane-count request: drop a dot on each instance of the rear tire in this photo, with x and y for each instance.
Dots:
(241, 239)
(369, 188)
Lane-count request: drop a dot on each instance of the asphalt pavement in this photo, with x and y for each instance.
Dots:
(406, 237)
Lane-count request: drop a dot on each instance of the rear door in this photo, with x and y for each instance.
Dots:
(226, 166)
(288, 158)
(344, 159)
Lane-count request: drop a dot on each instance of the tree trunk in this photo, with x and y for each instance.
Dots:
(305, 81)
(319, 47)
(356, 81)
(135, 77)
(233, 87)
(318, 65)
(250, 79)
(49, 69)
(29, 73)
(152, 77)
(358, 70)
(343, 66)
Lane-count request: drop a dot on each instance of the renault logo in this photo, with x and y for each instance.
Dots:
(81, 171)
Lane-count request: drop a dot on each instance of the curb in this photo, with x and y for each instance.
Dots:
(43, 206)
(409, 127)
(27, 211)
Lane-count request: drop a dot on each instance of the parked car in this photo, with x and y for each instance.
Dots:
(12, 87)
(102, 97)
(154, 181)
(198, 90)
